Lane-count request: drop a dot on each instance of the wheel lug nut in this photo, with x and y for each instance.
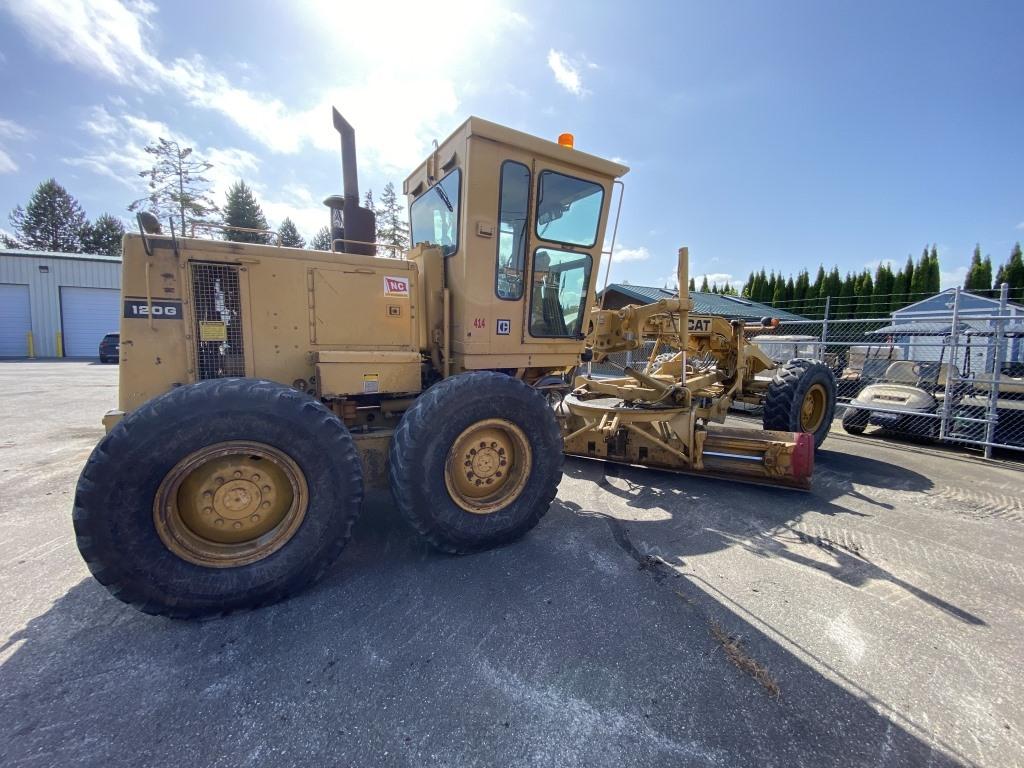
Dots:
(265, 505)
(219, 521)
(207, 510)
(236, 525)
(237, 475)
(255, 518)
(266, 489)
(219, 480)
(207, 495)
(255, 478)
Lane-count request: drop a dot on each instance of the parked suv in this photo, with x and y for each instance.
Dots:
(110, 348)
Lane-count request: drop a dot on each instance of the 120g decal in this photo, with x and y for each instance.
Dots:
(162, 310)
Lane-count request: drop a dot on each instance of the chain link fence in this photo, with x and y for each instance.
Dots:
(954, 376)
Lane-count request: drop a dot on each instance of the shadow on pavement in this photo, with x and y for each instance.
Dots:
(554, 651)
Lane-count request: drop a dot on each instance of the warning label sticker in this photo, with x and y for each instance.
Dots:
(371, 383)
(396, 286)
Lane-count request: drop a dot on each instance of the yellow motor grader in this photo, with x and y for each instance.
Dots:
(262, 387)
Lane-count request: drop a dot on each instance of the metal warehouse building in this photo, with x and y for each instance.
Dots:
(57, 304)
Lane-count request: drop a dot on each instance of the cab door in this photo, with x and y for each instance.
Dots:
(568, 220)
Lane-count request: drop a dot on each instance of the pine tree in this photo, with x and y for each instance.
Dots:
(704, 285)
(392, 227)
(908, 282)
(52, 221)
(321, 240)
(691, 286)
(241, 209)
(748, 286)
(934, 281)
(177, 186)
(971, 278)
(103, 236)
(1012, 273)
(290, 237)
(986, 273)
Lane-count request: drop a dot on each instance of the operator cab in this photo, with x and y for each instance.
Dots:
(520, 222)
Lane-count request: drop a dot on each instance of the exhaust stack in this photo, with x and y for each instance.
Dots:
(352, 224)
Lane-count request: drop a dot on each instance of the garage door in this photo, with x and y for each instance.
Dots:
(86, 316)
(15, 321)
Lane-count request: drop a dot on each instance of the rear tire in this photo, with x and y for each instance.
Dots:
(178, 564)
(801, 398)
(463, 437)
(855, 420)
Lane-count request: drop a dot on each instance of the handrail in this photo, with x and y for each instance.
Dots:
(393, 246)
(231, 228)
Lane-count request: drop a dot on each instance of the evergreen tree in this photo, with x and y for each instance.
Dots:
(919, 280)
(865, 294)
(392, 226)
(908, 282)
(704, 285)
(761, 287)
(177, 186)
(321, 240)
(103, 236)
(241, 209)
(691, 286)
(290, 237)
(933, 280)
(1012, 273)
(52, 221)
(779, 290)
(748, 286)
(834, 284)
(846, 307)
(800, 289)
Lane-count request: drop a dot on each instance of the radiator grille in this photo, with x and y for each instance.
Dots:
(220, 349)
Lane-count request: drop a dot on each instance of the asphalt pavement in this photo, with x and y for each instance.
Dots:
(650, 619)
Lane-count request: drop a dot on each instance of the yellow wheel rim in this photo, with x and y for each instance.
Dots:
(230, 504)
(812, 412)
(487, 466)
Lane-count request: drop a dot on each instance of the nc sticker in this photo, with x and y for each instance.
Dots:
(396, 286)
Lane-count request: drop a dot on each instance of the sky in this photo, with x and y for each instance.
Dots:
(779, 135)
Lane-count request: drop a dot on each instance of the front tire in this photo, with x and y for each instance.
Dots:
(218, 496)
(476, 461)
(801, 398)
(855, 420)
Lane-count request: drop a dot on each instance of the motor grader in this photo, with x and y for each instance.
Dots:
(263, 387)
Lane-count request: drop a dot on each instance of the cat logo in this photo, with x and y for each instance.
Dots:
(699, 324)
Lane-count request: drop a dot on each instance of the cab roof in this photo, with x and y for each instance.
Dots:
(477, 126)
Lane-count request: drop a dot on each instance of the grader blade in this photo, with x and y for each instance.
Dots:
(669, 438)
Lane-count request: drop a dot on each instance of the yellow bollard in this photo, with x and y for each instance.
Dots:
(31, 344)
(60, 344)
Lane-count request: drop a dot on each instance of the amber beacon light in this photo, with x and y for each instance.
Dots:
(566, 140)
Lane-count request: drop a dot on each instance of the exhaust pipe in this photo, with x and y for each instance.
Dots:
(351, 224)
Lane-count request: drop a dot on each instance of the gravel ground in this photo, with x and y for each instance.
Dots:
(650, 619)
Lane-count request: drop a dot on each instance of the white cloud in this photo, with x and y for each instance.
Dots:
(566, 73)
(9, 130)
(119, 153)
(721, 279)
(114, 40)
(624, 253)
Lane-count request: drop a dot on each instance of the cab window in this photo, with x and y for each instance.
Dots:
(558, 292)
(434, 215)
(513, 199)
(568, 209)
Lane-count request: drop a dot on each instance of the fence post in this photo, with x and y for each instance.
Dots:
(997, 370)
(954, 340)
(824, 328)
